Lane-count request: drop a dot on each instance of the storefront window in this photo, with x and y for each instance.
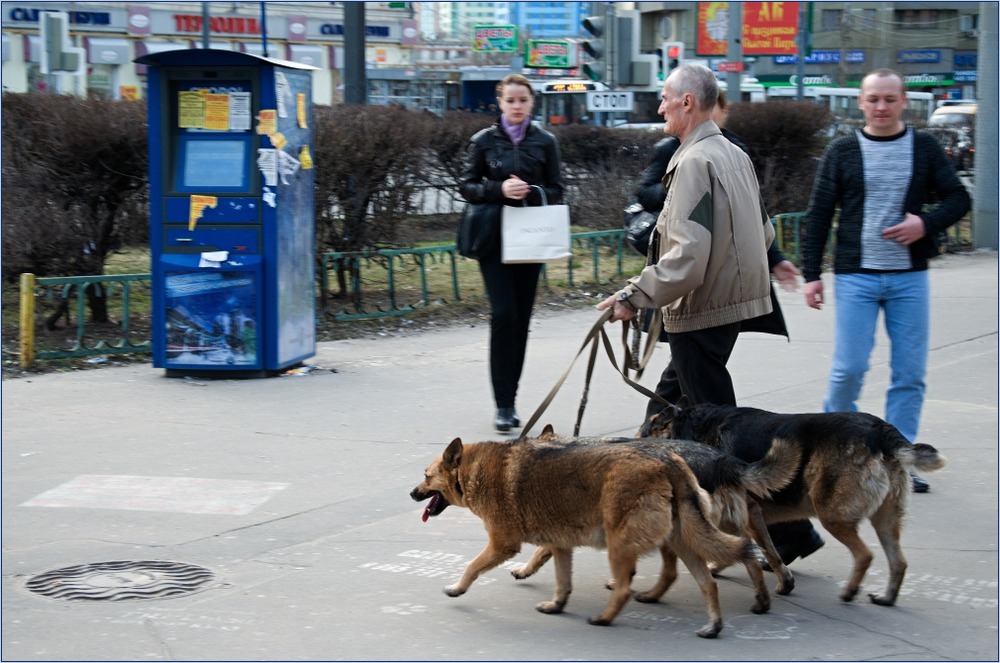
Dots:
(100, 81)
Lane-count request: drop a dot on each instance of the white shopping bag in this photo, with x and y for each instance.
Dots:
(535, 234)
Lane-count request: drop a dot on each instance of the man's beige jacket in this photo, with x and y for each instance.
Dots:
(714, 233)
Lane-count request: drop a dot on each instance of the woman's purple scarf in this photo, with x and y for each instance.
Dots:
(515, 131)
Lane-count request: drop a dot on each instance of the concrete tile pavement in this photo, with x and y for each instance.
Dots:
(335, 564)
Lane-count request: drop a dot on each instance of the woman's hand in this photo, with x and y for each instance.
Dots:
(515, 188)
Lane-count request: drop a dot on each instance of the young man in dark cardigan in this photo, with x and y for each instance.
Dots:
(880, 177)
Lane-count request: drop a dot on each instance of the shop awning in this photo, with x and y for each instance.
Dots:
(311, 54)
(108, 50)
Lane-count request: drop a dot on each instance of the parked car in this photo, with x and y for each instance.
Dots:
(954, 125)
(957, 116)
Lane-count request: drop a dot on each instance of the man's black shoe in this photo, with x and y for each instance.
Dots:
(919, 485)
(506, 419)
(791, 551)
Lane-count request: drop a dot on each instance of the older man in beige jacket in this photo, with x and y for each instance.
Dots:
(713, 235)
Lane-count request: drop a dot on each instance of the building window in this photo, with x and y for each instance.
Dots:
(830, 19)
(866, 18)
(924, 19)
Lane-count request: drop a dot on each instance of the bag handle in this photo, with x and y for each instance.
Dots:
(545, 201)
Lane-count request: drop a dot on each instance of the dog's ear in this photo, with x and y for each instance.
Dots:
(453, 454)
(548, 433)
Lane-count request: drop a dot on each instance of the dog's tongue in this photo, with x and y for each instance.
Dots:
(430, 507)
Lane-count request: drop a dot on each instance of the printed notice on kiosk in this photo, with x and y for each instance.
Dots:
(201, 109)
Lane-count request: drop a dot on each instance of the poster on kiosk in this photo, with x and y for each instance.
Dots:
(232, 220)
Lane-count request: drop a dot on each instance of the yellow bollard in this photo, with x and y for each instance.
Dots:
(27, 320)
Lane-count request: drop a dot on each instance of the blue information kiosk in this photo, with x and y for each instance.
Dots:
(232, 222)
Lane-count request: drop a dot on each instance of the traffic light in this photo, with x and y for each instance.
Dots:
(595, 47)
(673, 56)
(58, 55)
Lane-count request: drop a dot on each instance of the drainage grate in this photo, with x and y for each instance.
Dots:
(121, 581)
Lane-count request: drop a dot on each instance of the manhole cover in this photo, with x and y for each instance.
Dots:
(121, 581)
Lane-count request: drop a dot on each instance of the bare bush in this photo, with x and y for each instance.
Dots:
(603, 167)
(74, 182)
(368, 163)
(448, 140)
(786, 140)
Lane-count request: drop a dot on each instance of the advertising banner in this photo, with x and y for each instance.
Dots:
(494, 39)
(769, 28)
(547, 54)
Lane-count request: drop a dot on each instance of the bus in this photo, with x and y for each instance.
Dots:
(843, 102)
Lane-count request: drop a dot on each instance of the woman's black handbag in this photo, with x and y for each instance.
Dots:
(639, 225)
(479, 230)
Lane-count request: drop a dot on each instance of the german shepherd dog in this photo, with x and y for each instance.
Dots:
(603, 496)
(731, 485)
(854, 466)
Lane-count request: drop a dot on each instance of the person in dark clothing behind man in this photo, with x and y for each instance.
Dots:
(793, 539)
(505, 164)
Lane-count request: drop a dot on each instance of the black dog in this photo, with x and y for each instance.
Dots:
(853, 466)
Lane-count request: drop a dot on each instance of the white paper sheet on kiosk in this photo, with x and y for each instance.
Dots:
(213, 258)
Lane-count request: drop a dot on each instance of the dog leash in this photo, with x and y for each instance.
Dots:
(596, 336)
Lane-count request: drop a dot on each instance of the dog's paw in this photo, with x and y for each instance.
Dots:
(879, 599)
(648, 597)
(551, 607)
(761, 605)
(710, 630)
(848, 594)
(453, 591)
(597, 620)
(521, 572)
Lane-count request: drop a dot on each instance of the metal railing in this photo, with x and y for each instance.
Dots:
(60, 292)
(369, 282)
(364, 301)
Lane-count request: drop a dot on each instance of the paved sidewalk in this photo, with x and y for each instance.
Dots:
(292, 492)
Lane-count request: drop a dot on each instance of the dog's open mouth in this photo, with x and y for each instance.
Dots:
(437, 504)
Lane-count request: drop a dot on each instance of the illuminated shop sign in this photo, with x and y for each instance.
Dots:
(26, 15)
(569, 87)
(237, 25)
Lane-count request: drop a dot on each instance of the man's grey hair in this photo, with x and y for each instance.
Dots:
(699, 81)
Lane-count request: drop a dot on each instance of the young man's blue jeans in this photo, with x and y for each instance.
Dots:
(905, 299)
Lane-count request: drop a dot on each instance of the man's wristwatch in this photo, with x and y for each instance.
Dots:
(623, 300)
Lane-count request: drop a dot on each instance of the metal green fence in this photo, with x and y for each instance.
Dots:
(64, 297)
(369, 284)
(367, 280)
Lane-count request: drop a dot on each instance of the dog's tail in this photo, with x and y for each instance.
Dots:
(696, 530)
(921, 456)
(774, 471)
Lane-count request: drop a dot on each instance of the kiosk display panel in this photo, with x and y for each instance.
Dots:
(218, 164)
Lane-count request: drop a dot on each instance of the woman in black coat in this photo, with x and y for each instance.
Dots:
(506, 164)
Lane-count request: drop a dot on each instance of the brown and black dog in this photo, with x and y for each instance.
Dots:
(564, 496)
(733, 487)
(854, 466)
